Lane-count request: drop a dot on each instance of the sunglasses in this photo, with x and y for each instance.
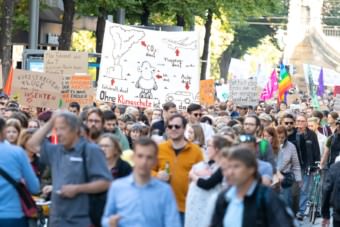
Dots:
(197, 114)
(174, 126)
(289, 123)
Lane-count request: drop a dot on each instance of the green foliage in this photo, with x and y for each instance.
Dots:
(83, 40)
(331, 12)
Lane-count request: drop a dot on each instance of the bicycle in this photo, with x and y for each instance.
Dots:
(314, 198)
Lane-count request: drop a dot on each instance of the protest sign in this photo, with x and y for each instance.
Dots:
(146, 68)
(222, 92)
(238, 69)
(77, 88)
(207, 92)
(243, 92)
(65, 62)
(36, 89)
(330, 77)
(337, 102)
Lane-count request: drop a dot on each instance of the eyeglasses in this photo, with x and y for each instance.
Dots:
(197, 114)
(174, 126)
(289, 123)
(247, 139)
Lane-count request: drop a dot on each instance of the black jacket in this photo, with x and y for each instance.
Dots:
(308, 149)
(262, 208)
(121, 169)
(331, 193)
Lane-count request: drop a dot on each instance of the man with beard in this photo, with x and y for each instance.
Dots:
(95, 123)
(110, 126)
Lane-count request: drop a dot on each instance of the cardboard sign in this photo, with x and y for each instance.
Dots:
(77, 88)
(146, 68)
(65, 62)
(35, 89)
(244, 92)
(207, 92)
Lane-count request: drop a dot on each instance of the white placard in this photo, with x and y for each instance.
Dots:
(244, 92)
(330, 77)
(147, 68)
(238, 69)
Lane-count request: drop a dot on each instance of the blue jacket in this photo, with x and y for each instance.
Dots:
(15, 162)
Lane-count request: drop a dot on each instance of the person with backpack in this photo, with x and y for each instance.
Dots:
(79, 171)
(247, 202)
(14, 166)
(332, 149)
(331, 196)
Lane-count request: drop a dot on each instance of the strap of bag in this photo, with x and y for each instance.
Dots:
(9, 178)
(84, 156)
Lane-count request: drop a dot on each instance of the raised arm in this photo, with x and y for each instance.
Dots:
(38, 137)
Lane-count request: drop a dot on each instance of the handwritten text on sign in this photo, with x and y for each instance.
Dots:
(207, 92)
(148, 68)
(77, 88)
(243, 92)
(65, 62)
(36, 89)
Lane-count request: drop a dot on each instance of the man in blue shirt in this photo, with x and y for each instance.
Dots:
(139, 200)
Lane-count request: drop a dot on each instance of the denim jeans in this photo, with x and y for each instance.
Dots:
(17, 222)
(182, 216)
(287, 195)
(305, 191)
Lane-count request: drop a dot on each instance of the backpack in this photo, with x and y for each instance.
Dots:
(96, 201)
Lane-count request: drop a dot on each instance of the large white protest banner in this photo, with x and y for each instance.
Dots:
(330, 77)
(244, 92)
(147, 68)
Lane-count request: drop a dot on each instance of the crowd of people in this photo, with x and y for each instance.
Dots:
(219, 165)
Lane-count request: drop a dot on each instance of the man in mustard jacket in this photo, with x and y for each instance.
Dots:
(175, 160)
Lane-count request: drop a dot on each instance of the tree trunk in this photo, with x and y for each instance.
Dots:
(225, 63)
(205, 53)
(144, 18)
(67, 26)
(6, 37)
(100, 29)
(180, 21)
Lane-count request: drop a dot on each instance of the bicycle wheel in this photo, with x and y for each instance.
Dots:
(313, 213)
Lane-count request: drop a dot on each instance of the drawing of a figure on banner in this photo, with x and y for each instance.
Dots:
(146, 81)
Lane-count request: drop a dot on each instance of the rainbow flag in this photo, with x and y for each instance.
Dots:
(285, 82)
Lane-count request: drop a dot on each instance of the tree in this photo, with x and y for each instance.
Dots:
(67, 25)
(6, 37)
(245, 36)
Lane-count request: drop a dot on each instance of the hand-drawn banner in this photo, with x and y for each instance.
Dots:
(207, 92)
(77, 88)
(238, 69)
(147, 68)
(244, 92)
(35, 89)
(65, 62)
